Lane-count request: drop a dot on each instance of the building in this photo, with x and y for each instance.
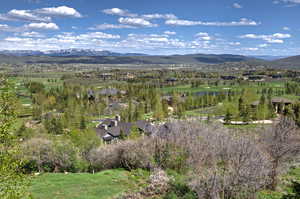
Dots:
(279, 103)
(111, 129)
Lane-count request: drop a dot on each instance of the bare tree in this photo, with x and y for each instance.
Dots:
(282, 143)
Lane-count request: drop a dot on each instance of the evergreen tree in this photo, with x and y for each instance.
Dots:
(228, 117)
(82, 123)
(158, 108)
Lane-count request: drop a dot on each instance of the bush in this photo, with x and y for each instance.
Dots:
(129, 155)
(179, 189)
(45, 155)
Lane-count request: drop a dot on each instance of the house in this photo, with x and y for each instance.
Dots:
(91, 95)
(109, 92)
(111, 129)
(257, 78)
(229, 77)
(279, 103)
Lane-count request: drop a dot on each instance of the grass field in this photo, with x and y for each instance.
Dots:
(207, 88)
(103, 185)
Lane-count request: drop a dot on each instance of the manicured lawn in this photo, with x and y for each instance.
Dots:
(103, 185)
(210, 88)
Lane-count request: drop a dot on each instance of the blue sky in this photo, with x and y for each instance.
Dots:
(256, 27)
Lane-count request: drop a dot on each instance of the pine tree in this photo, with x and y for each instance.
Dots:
(228, 117)
(158, 108)
(82, 123)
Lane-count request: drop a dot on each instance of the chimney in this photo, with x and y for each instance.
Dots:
(118, 118)
(114, 123)
(105, 127)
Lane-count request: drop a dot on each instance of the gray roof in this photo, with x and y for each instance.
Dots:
(145, 126)
(125, 127)
(109, 91)
(281, 100)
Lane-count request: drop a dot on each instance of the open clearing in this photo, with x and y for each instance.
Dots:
(103, 185)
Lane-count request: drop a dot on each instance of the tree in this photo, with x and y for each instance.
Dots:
(134, 133)
(228, 117)
(13, 183)
(54, 126)
(37, 112)
(82, 123)
(158, 108)
(282, 143)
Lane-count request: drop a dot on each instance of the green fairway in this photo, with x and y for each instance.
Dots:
(219, 88)
(103, 185)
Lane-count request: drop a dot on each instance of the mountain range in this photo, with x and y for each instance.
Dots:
(66, 53)
(88, 56)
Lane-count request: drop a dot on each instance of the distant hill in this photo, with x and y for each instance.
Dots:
(268, 57)
(292, 62)
(106, 57)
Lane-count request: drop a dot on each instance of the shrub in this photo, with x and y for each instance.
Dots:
(45, 155)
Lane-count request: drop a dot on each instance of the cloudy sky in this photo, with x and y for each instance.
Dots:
(256, 27)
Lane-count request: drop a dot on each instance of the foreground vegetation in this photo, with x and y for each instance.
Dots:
(103, 185)
(50, 127)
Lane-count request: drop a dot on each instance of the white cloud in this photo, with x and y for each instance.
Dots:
(32, 34)
(40, 15)
(251, 49)
(98, 35)
(263, 45)
(119, 12)
(180, 22)
(159, 16)
(87, 37)
(234, 43)
(242, 22)
(139, 22)
(274, 38)
(170, 32)
(7, 28)
(23, 15)
(281, 35)
(287, 1)
(63, 11)
(203, 36)
(110, 26)
(237, 5)
(151, 41)
(42, 26)
(286, 28)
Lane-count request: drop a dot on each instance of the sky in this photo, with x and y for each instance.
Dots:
(157, 27)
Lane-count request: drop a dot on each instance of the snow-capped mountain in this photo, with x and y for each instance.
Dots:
(66, 52)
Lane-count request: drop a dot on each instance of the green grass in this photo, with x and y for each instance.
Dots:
(293, 174)
(103, 185)
(210, 88)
